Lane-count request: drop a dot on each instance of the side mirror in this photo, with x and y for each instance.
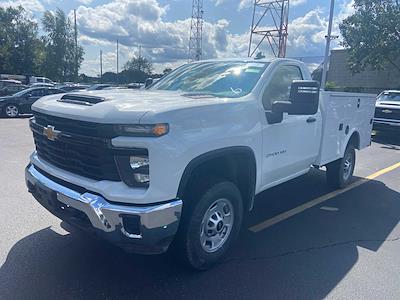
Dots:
(304, 97)
(148, 82)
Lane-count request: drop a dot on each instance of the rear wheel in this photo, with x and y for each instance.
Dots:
(210, 225)
(11, 111)
(340, 172)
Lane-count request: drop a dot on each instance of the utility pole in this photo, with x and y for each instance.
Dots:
(101, 66)
(196, 31)
(328, 46)
(117, 62)
(76, 48)
(140, 57)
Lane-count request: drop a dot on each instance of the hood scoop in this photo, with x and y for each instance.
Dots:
(86, 100)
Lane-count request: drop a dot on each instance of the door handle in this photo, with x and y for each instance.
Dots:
(311, 120)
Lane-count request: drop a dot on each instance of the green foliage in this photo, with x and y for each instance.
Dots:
(372, 35)
(62, 59)
(167, 71)
(140, 64)
(20, 47)
(22, 51)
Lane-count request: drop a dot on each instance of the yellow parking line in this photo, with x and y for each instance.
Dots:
(319, 200)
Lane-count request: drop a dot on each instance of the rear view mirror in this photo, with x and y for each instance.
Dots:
(149, 81)
(304, 96)
(304, 99)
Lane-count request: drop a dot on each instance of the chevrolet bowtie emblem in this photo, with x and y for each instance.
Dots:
(51, 133)
(387, 111)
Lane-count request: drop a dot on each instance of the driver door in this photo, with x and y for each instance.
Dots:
(291, 146)
(29, 99)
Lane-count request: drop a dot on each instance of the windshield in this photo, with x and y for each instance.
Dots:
(219, 79)
(23, 92)
(390, 96)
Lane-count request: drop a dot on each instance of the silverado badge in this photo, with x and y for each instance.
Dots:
(51, 133)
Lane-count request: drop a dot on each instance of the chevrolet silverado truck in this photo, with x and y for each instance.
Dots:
(178, 166)
(387, 112)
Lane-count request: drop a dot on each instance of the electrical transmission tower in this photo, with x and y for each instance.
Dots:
(196, 31)
(270, 23)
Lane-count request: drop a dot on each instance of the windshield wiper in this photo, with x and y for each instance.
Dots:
(199, 94)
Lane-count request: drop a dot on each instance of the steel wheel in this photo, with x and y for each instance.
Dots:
(216, 225)
(348, 165)
(11, 111)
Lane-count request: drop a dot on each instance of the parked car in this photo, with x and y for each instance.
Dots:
(182, 162)
(12, 89)
(21, 102)
(9, 87)
(6, 82)
(135, 85)
(72, 87)
(40, 84)
(37, 79)
(387, 112)
(98, 87)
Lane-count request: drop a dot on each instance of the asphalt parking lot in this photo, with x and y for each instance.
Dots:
(298, 242)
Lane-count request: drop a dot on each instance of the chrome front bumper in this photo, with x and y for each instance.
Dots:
(141, 229)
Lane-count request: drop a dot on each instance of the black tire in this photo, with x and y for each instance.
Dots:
(339, 173)
(187, 245)
(11, 110)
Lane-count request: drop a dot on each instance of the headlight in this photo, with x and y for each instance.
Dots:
(134, 170)
(137, 162)
(154, 130)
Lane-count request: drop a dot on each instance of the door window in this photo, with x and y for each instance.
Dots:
(278, 88)
(37, 93)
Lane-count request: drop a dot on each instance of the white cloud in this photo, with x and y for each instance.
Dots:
(85, 2)
(245, 3)
(219, 2)
(297, 2)
(29, 5)
(142, 22)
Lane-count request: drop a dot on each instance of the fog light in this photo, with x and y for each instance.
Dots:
(142, 178)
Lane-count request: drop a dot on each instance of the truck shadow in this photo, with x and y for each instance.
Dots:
(305, 256)
(388, 140)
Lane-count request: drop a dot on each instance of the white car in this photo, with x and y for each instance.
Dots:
(180, 164)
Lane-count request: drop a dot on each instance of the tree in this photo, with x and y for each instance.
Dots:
(62, 59)
(167, 71)
(372, 35)
(139, 64)
(21, 50)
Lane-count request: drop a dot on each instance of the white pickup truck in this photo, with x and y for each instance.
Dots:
(178, 166)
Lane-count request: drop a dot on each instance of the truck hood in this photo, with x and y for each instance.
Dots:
(385, 103)
(122, 106)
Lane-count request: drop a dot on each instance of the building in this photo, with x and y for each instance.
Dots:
(367, 81)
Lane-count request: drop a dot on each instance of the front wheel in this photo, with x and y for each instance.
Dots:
(340, 172)
(11, 111)
(210, 226)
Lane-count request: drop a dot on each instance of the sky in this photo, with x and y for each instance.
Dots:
(161, 29)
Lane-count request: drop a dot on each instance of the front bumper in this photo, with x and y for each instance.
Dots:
(386, 124)
(139, 229)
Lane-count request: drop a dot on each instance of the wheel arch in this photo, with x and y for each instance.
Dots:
(236, 164)
(354, 139)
